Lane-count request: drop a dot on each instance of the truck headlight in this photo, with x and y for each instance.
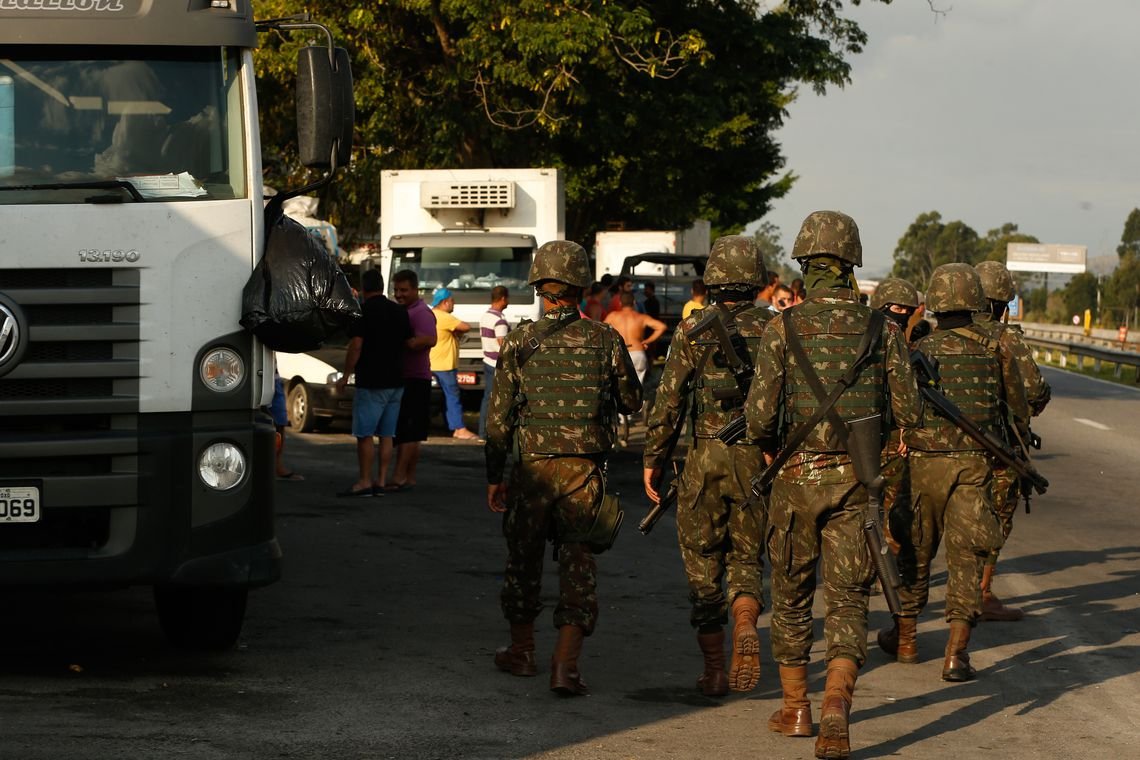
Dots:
(222, 369)
(221, 466)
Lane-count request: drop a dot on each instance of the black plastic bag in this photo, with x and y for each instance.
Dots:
(297, 296)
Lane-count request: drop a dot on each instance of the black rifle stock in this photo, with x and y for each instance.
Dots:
(927, 375)
(668, 499)
(864, 446)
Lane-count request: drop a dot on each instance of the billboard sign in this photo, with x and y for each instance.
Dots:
(1046, 257)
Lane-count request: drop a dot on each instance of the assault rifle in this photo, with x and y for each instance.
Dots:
(668, 499)
(928, 379)
(864, 446)
(737, 359)
(742, 371)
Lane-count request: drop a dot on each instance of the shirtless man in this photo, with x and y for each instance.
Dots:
(631, 325)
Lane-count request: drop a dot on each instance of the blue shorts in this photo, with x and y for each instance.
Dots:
(375, 411)
(277, 405)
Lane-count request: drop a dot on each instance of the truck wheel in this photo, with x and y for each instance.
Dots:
(300, 406)
(202, 617)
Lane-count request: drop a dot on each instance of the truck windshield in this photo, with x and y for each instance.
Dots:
(470, 273)
(165, 120)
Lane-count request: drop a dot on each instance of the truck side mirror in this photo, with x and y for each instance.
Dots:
(325, 108)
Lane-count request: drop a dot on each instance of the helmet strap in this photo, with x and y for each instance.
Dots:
(557, 297)
(732, 293)
(998, 309)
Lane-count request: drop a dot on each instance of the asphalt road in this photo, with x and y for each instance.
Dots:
(378, 642)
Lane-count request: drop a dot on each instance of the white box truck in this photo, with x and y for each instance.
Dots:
(612, 248)
(469, 230)
(132, 448)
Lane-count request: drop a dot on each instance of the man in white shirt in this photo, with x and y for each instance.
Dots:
(493, 329)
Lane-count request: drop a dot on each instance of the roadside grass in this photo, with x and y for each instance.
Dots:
(1086, 365)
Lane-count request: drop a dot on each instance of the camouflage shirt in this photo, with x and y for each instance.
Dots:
(676, 391)
(1037, 390)
(981, 377)
(771, 406)
(565, 398)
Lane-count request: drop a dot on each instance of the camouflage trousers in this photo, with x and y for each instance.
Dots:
(896, 492)
(820, 525)
(1007, 495)
(952, 500)
(563, 494)
(719, 530)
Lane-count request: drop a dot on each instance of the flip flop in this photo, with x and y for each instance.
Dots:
(290, 476)
(397, 487)
(354, 492)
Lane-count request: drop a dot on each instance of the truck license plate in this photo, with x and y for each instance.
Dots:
(466, 378)
(19, 504)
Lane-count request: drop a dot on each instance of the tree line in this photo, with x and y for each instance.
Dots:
(660, 113)
(1113, 299)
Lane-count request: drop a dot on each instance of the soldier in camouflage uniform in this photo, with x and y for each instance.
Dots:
(997, 285)
(816, 508)
(559, 384)
(898, 300)
(951, 475)
(719, 529)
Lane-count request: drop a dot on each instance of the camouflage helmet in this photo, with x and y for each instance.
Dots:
(894, 290)
(997, 282)
(735, 260)
(561, 261)
(829, 233)
(955, 287)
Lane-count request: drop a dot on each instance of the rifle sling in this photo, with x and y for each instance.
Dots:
(543, 330)
(827, 400)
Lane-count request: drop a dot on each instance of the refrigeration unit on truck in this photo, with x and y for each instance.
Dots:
(132, 446)
(469, 230)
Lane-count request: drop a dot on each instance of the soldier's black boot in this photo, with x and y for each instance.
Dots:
(834, 737)
(713, 682)
(745, 671)
(564, 676)
(901, 641)
(956, 666)
(794, 718)
(518, 658)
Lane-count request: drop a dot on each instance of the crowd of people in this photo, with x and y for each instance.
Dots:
(830, 373)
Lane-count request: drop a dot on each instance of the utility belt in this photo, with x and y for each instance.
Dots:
(597, 457)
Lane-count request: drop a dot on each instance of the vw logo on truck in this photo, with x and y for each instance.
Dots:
(13, 335)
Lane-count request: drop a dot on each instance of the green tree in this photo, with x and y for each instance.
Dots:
(1130, 238)
(994, 246)
(660, 113)
(767, 238)
(1080, 294)
(928, 243)
(1120, 296)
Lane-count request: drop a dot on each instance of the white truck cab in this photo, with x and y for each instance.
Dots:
(132, 447)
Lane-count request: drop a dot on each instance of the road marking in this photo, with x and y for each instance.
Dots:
(1091, 423)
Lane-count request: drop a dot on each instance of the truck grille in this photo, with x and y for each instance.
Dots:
(69, 411)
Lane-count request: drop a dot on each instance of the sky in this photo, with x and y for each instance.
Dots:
(1023, 111)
